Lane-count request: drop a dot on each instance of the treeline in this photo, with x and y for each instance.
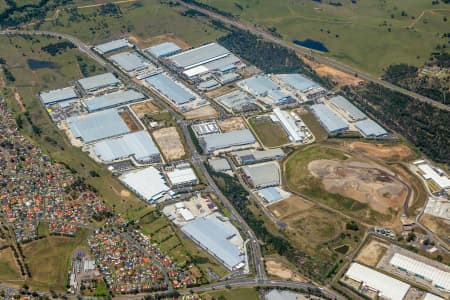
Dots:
(316, 269)
(409, 77)
(422, 124)
(57, 48)
(268, 56)
(209, 7)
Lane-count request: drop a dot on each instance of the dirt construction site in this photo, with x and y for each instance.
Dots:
(169, 142)
(372, 252)
(231, 124)
(144, 108)
(383, 152)
(365, 182)
(202, 113)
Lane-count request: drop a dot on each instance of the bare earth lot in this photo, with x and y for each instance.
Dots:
(231, 124)
(169, 142)
(366, 183)
(128, 119)
(202, 113)
(396, 152)
(143, 108)
(279, 270)
(371, 254)
(168, 37)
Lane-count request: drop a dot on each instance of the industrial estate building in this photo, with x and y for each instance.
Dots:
(205, 128)
(271, 194)
(163, 50)
(218, 141)
(130, 61)
(96, 126)
(434, 174)
(439, 278)
(262, 86)
(237, 101)
(347, 109)
(262, 175)
(182, 177)
(138, 145)
(59, 95)
(298, 82)
(112, 46)
(113, 100)
(98, 82)
(216, 237)
(330, 121)
(173, 91)
(295, 133)
(148, 183)
(373, 281)
(244, 157)
(219, 164)
(370, 129)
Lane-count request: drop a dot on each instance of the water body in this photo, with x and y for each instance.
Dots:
(311, 44)
(40, 64)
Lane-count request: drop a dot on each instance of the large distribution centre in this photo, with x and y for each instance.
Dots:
(112, 46)
(262, 86)
(263, 175)
(170, 89)
(59, 95)
(329, 120)
(347, 108)
(98, 82)
(163, 50)
(298, 82)
(148, 183)
(130, 61)
(288, 123)
(370, 129)
(181, 177)
(97, 126)
(214, 236)
(138, 145)
(244, 157)
(237, 101)
(216, 141)
(386, 286)
(113, 100)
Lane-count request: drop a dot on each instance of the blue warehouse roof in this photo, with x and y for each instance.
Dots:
(163, 49)
(270, 194)
(113, 100)
(298, 82)
(97, 126)
(59, 95)
(170, 89)
(370, 128)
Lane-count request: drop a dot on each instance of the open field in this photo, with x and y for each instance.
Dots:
(313, 124)
(49, 259)
(9, 271)
(202, 113)
(269, 133)
(395, 31)
(275, 267)
(142, 19)
(231, 124)
(371, 253)
(169, 142)
(304, 169)
(439, 226)
(364, 182)
(143, 108)
(397, 152)
(241, 293)
(167, 37)
(65, 68)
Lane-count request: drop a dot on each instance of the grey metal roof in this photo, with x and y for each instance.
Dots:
(98, 81)
(213, 235)
(129, 61)
(370, 128)
(352, 111)
(228, 77)
(137, 144)
(198, 56)
(163, 49)
(54, 96)
(258, 155)
(228, 139)
(209, 84)
(113, 100)
(270, 194)
(97, 126)
(170, 89)
(259, 85)
(281, 295)
(329, 120)
(222, 63)
(219, 164)
(236, 100)
(263, 175)
(277, 96)
(298, 82)
(112, 45)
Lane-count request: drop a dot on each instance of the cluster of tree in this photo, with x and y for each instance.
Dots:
(6, 72)
(420, 123)
(110, 9)
(268, 56)
(57, 48)
(209, 7)
(408, 77)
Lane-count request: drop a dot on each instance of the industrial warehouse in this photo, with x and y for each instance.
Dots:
(98, 83)
(244, 157)
(330, 121)
(112, 46)
(163, 50)
(173, 91)
(112, 100)
(131, 62)
(221, 141)
(55, 96)
(262, 175)
(304, 88)
(264, 88)
(292, 124)
(238, 101)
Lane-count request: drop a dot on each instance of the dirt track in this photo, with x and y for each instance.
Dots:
(396, 152)
(363, 182)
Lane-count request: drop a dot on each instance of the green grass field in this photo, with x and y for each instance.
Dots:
(355, 33)
(144, 20)
(313, 124)
(242, 293)
(16, 51)
(8, 267)
(269, 133)
(49, 259)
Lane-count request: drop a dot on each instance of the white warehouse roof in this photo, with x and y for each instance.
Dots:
(388, 287)
(429, 173)
(438, 277)
(129, 61)
(148, 183)
(370, 128)
(98, 81)
(164, 49)
(289, 125)
(112, 45)
(137, 144)
(429, 296)
(182, 176)
(112, 100)
(59, 95)
(329, 120)
(348, 108)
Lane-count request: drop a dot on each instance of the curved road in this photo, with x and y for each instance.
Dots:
(318, 57)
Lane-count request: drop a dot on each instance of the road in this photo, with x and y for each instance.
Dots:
(317, 56)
